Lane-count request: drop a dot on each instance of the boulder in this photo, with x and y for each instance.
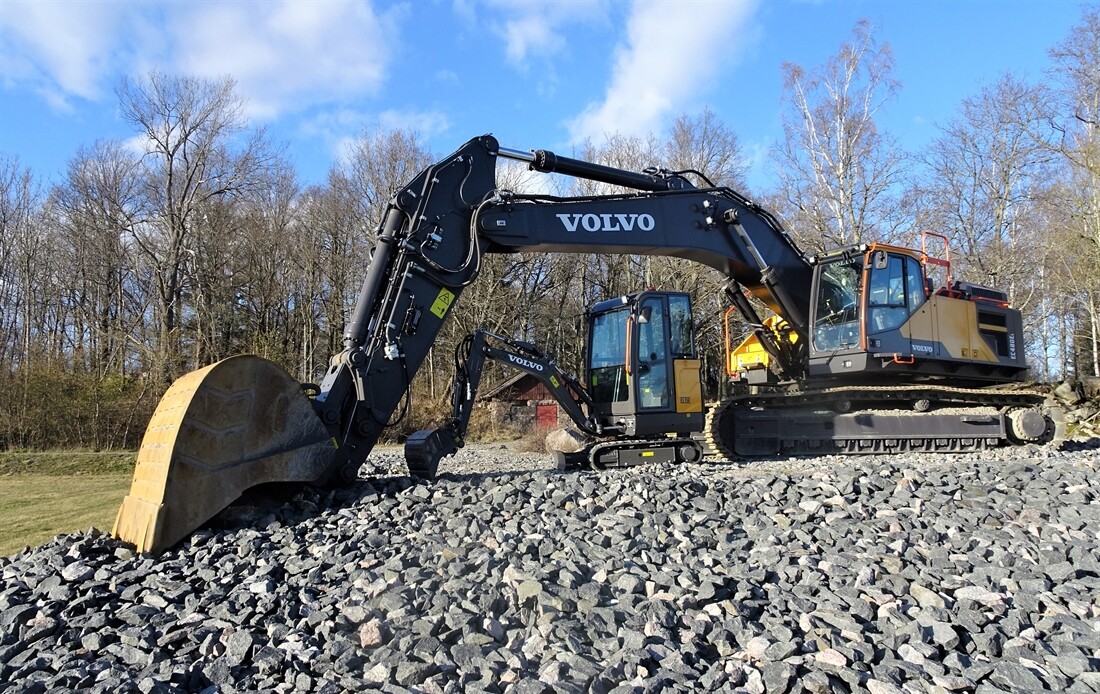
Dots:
(565, 440)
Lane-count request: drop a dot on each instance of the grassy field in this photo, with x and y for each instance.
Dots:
(43, 494)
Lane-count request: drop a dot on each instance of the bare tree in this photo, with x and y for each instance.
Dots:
(32, 310)
(18, 206)
(987, 169)
(98, 205)
(840, 171)
(197, 150)
(705, 144)
(29, 271)
(1077, 70)
(316, 335)
(378, 162)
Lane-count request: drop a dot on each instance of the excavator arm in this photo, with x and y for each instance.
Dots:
(428, 251)
(424, 449)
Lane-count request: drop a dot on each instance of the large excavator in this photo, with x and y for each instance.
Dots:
(864, 353)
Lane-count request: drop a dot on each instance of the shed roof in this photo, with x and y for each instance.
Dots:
(506, 384)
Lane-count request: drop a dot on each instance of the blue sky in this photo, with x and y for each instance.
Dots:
(537, 74)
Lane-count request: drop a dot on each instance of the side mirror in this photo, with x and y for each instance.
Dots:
(880, 260)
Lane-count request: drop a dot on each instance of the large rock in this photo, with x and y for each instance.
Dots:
(565, 440)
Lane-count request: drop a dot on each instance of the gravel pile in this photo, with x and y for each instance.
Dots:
(974, 573)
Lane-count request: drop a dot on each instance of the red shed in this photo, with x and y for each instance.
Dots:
(525, 401)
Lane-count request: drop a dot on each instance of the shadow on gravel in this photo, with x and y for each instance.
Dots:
(1092, 444)
(289, 503)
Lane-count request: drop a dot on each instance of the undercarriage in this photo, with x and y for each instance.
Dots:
(880, 419)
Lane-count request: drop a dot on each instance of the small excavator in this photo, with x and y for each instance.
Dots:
(644, 398)
(864, 353)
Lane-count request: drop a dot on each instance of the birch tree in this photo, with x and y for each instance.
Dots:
(987, 169)
(1077, 71)
(840, 171)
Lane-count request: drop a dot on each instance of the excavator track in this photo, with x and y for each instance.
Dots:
(615, 454)
(880, 419)
(624, 453)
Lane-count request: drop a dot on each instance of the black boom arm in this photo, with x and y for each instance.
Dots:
(438, 227)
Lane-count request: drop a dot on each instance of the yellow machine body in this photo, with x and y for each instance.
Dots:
(688, 385)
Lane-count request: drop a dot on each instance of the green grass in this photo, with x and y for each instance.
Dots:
(66, 463)
(44, 494)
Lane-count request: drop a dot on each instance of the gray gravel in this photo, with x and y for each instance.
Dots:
(973, 573)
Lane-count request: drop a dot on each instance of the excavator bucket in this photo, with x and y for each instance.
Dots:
(217, 432)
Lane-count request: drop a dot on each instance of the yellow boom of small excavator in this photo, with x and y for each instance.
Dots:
(216, 432)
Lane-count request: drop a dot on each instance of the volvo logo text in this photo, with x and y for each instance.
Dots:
(525, 362)
(608, 222)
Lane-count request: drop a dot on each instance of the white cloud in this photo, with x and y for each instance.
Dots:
(759, 156)
(340, 129)
(533, 28)
(139, 145)
(532, 33)
(344, 150)
(330, 122)
(283, 55)
(672, 53)
(58, 49)
(426, 124)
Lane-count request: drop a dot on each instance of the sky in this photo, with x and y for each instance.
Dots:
(538, 74)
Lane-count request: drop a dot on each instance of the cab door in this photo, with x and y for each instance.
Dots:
(895, 291)
(609, 335)
(654, 387)
(667, 372)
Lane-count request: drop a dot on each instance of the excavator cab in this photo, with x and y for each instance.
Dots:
(643, 369)
(874, 308)
(849, 316)
(642, 403)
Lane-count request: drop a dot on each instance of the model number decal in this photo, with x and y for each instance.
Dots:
(607, 222)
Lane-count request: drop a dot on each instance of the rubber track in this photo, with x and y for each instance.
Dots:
(596, 449)
(937, 396)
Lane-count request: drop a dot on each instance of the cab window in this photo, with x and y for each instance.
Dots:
(607, 357)
(653, 384)
(896, 290)
(680, 327)
(836, 315)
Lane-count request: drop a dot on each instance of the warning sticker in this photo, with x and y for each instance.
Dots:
(554, 381)
(442, 302)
